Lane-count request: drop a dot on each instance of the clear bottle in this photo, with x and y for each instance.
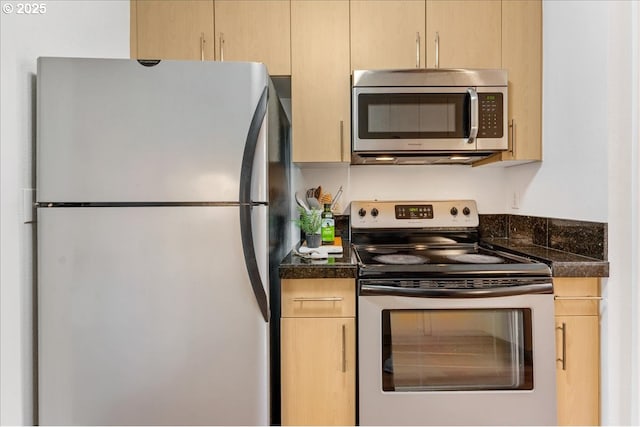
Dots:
(328, 229)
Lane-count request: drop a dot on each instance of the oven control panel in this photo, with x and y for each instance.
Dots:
(414, 214)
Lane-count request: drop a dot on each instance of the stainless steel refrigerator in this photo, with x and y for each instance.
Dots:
(162, 213)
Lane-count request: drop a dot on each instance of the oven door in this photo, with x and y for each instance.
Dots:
(457, 361)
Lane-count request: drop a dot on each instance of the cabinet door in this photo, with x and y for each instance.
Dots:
(172, 29)
(387, 34)
(578, 370)
(522, 58)
(578, 349)
(249, 30)
(320, 80)
(318, 371)
(468, 33)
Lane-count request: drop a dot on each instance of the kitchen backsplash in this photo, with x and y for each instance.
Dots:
(579, 237)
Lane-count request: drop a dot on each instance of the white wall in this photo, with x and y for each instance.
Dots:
(618, 326)
(635, 280)
(89, 28)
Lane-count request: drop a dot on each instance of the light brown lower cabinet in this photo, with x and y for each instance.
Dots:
(578, 350)
(318, 356)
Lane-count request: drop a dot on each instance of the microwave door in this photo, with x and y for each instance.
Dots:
(415, 119)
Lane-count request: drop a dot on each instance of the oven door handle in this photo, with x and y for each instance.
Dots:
(382, 290)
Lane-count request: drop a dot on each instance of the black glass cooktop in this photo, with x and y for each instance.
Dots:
(418, 255)
(427, 259)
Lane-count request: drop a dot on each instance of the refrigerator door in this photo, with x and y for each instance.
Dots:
(146, 317)
(114, 130)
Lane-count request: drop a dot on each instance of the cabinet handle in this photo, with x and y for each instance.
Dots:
(221, 47)
(417, 49)
(344, 348)
(342, 140)
(512, 128)
(437, 64)
(202, 42)
(564, 346)
(321, 299)
(577, 298)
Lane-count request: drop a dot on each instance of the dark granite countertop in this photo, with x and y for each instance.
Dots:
(562, 264)
(341, 266)
(535, 244)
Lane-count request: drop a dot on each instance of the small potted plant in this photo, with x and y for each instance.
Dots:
(309, 222)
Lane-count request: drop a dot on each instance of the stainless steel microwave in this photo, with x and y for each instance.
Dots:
(425, 116)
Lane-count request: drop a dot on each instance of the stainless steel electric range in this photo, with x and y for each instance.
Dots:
(449, 332)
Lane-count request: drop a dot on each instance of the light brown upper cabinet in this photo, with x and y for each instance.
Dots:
(320, 80)
(387, 34)
(463, 34)
(522, 57)
(172, 29)
(250, 30)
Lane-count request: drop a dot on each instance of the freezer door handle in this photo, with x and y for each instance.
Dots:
(246, 204)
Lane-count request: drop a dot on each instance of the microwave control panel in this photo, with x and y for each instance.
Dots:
(490, 115)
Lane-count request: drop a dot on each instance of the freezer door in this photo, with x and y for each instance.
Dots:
(146, 317)
(113, 130)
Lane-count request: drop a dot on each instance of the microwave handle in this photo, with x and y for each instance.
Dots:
(473, 132)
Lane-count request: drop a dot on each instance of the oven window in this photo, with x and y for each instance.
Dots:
(410, 116)
(455, 350)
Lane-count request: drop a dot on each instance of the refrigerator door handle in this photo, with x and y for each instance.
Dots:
(246, 204)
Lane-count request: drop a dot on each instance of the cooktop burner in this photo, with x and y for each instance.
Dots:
(477, 259)
(401, 259)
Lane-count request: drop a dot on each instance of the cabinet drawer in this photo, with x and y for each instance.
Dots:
(577, 296)
(318, 298)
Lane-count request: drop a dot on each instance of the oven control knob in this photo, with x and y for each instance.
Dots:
(362, 212)
(454, 211)
(374, 212)
(466, 211)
